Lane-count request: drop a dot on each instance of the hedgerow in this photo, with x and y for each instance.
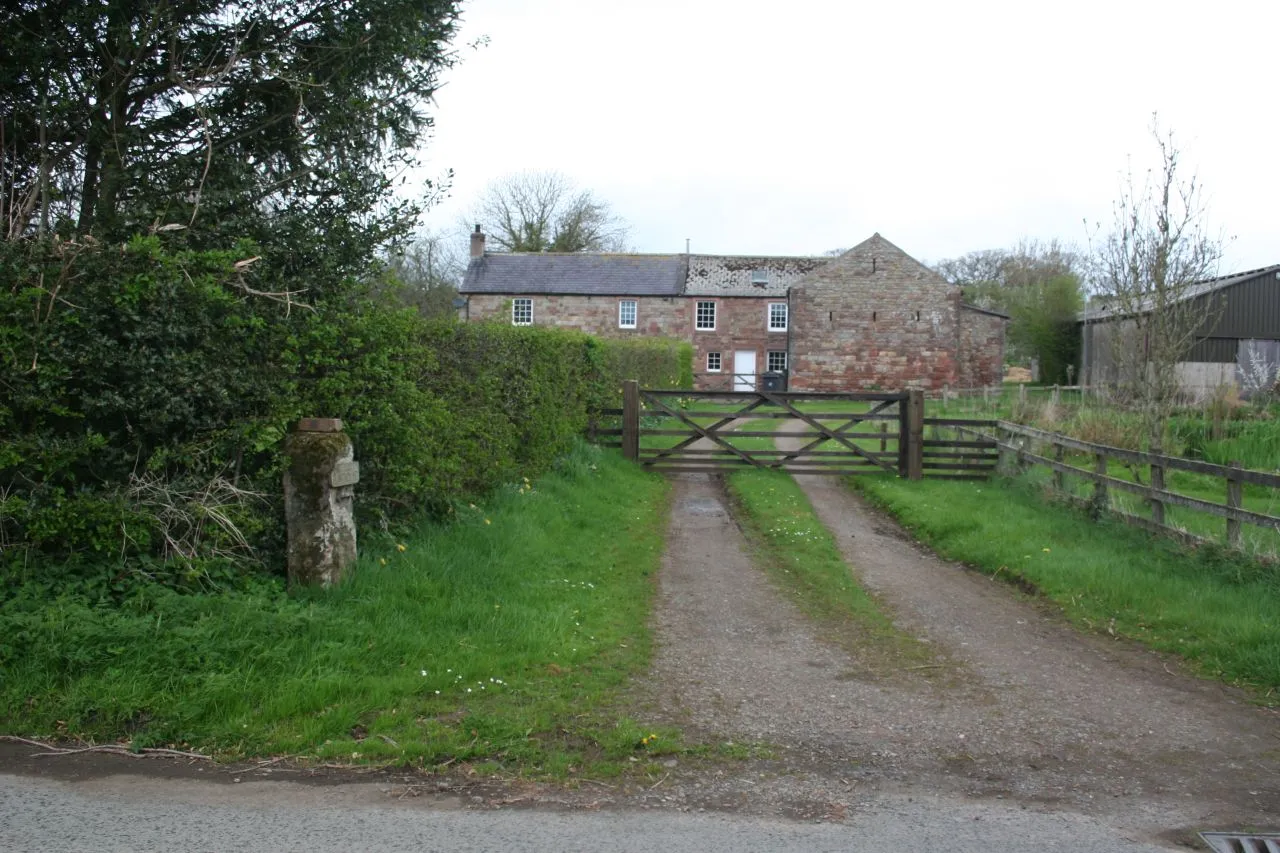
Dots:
(147, 389)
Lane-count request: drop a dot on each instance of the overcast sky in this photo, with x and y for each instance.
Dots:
(793, 128)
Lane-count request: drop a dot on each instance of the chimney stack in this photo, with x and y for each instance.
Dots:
(477, 243)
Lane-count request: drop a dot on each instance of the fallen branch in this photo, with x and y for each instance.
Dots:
(114, 749)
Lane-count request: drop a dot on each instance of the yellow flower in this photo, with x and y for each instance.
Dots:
(1046, 550)
(487, 521)
(382, 561)
(401, 548)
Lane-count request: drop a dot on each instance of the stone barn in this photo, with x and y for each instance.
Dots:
(872, 317)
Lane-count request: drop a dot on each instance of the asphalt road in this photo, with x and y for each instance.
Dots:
(137, 814)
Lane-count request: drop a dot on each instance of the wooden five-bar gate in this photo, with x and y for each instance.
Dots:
(827, 433)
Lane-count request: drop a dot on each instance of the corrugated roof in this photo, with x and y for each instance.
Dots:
(579, 274)
(1200, 288)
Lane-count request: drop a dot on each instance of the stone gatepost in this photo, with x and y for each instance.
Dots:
(319, 498)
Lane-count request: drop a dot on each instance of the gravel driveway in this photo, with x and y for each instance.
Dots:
(1029, 710)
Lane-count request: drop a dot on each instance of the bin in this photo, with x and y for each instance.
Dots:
(773, 380)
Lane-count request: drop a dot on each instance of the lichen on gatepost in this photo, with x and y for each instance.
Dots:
(319, 498)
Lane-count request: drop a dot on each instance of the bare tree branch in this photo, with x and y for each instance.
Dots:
(1149, 271)
(543, 212)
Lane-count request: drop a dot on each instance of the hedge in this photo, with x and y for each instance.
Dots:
(147, 389)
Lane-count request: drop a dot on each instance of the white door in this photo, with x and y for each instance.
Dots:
(744, 370)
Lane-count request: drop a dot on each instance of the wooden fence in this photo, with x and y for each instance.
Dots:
(1017, 445)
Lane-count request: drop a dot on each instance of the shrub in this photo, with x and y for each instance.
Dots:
(149, 386)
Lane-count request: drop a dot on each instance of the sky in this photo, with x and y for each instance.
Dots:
(797, 128)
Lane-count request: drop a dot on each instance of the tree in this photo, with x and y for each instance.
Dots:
(1148, 269)
(544, 212)
(428, 274)
(1039, 286)
(276, 120)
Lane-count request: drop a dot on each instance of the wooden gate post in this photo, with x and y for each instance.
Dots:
(911, 436)
(631, 420)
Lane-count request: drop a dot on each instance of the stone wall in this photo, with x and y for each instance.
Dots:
(656, 316)
(981, 351)
(874, 318)
(742, 324)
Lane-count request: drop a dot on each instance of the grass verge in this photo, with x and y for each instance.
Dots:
(1219, 611)
(802, 558)
(501, 639)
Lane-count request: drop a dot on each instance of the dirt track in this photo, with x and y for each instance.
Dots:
(1032, 711)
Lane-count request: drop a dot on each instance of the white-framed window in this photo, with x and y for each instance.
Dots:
(713, 362)
(705, 317)
(777, 316)
(627, 314)
(522, 312)
(776, 361)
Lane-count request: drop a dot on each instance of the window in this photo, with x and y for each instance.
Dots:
(777, 316)
(627, 314)
(706, 316)
(522, 312)
(776, 361)
(713, 362)
(760, 277)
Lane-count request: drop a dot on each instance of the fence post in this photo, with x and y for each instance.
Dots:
(1059, 456)
(1157, 482)
(1003, 454)
(884, 436)
(1233, 502)
(1100, 502)
(914, 424)
(631, 420)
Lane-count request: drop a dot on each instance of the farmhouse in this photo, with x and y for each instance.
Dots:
(1237, 344)
(873, 317)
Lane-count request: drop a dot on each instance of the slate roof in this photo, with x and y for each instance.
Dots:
(576, 274)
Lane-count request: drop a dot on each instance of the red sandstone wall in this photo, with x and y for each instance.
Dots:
(981, 357)
(874, 318)
(741, 324)
(656, 316)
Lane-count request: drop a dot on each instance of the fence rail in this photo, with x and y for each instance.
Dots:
(1018, 443)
